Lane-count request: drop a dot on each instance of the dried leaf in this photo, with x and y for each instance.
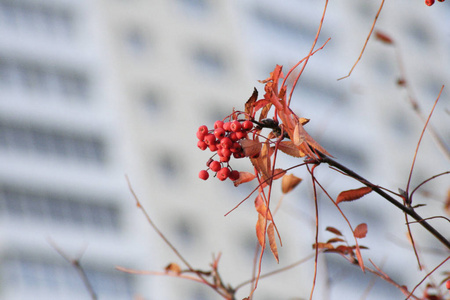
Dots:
(173, 267)
(249, 108)
(251, 147)
(351, 195)
(335, 240)
(447, 203)
(244, 177)
(261, 208)
(289, 148)
(303, 121)
(360, 231)
(298, 138)
(323, 246)
(260, 229)
(289, 182)
(383, 37)
(333, 230)
(272, 241)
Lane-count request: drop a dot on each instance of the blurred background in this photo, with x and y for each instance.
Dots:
(93, 91)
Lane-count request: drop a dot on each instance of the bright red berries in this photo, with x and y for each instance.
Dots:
(215, 166)
(429, 2)
(224, 140)
(203, 174)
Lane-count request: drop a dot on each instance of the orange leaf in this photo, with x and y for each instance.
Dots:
(360, 231)
(173, 267)
(335, 240)
(261, 208)
(333, 230)
(351, 195)
(251, 147)
(272, 241)
(323, 246)
(260, 229)
(289, 182)
(244, 177)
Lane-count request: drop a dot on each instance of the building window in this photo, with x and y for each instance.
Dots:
(53, 208)
(48, 142)
(209, 62)
(27, 17)
(24, 273)
(38, 79)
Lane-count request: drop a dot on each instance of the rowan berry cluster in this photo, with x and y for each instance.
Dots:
(224, 140)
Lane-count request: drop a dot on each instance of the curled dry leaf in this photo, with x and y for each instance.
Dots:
(249, 107)
(173, 267)
(360, 231)
(244, 177)
(351, 195)
(261, 208)
(289, 182)
(327, 246)
(272, 241)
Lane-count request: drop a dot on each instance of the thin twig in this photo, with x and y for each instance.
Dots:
(77, 265)
(367, 40)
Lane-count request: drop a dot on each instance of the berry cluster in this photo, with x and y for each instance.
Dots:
(224, 140)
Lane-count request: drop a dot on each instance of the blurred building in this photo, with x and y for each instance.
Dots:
(91, 91)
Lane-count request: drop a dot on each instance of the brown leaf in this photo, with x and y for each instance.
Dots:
(272, 241)
(447, 203)
(303, 121)
(351, 195)
(244, 177)
(335, 240)
(333, 230)
(289, 182)
(249, 104)
(383, 37)
(173, 267)
(289, 148)
(360, 231)
(260, 229)
(261, 208)
(251, 147)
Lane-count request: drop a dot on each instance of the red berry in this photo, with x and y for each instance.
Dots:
(234, 175)
(213, 148)
(202, 145)
(447, 284)
(224, 158)
(429, 2)
(233, 137)
(226, 142)
(223, 173)
(235, 126)
(218, 124)
(236, 147)
(219, 133)
(215, 166)
(203, 174)
(247, 125)
(241, 135)
(210, 139)
(226, 126)
(239, 154)
(226, 152)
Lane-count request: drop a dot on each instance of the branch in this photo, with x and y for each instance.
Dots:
(408, 210)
